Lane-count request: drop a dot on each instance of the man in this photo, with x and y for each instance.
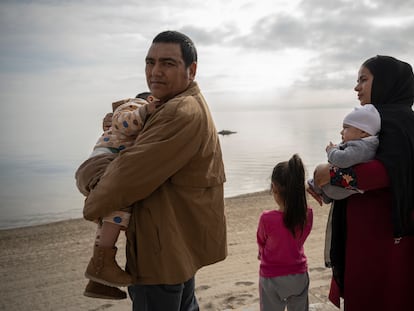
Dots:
(173, 178)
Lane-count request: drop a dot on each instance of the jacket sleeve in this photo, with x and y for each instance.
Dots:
(167, 143)
(90, 171)
(353, 153)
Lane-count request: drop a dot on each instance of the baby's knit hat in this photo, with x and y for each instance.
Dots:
(365, 118)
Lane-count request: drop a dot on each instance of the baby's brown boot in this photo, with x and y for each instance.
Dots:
(98, 290)
(102, 268)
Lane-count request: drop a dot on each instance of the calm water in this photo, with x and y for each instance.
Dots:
(36, 190)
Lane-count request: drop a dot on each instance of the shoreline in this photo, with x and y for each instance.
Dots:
(42, 266)
(77, 218)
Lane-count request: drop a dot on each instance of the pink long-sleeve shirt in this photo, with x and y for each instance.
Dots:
(279, 252)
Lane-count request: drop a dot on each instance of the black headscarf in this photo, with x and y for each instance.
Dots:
(393, 95)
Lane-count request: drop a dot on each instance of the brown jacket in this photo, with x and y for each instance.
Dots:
(173, 178)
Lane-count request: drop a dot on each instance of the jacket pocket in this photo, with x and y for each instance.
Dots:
(150, 231)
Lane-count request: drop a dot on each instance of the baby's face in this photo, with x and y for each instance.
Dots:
(350, 133)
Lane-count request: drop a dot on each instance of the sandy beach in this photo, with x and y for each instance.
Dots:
(42, 267)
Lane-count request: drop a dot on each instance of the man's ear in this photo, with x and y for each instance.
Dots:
(192, 70)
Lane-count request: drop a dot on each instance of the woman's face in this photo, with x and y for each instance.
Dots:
(364, 85)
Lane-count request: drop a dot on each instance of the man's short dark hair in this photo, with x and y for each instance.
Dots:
(188, 49)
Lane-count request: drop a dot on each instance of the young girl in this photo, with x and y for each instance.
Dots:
(281, 233)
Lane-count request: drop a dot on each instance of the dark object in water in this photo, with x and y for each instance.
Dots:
(226, 132)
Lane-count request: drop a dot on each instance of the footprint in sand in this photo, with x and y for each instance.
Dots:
(237, 301)
(247, 283)
(202, 287)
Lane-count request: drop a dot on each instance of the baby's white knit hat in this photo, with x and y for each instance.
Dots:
(365, 118)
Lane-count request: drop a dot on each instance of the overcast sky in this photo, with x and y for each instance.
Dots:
(63, 62)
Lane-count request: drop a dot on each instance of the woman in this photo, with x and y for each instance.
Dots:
(372, 248)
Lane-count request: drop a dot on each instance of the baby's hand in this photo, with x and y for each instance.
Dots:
(107, 121)
(329, 146)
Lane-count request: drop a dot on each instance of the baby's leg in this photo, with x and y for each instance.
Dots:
(98, 233)
(102, 267)
(111, 227)
(311, 183)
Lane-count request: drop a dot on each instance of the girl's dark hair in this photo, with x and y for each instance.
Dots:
(289, 179)
(188, 49)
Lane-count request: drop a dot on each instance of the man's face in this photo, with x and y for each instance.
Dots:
(165, 71)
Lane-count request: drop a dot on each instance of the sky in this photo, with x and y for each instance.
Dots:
(63, 62)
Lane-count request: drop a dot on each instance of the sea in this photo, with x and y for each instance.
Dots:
(36, 191)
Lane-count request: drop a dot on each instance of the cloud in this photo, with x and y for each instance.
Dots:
(201, 36)
(342, 33)
(92, 47)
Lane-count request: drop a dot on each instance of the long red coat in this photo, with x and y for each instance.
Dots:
(379, 273)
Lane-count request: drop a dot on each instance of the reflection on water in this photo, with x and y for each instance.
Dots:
(42, 191)
(265, 138)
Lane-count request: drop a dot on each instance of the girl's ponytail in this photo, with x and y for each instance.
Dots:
(289, 177)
